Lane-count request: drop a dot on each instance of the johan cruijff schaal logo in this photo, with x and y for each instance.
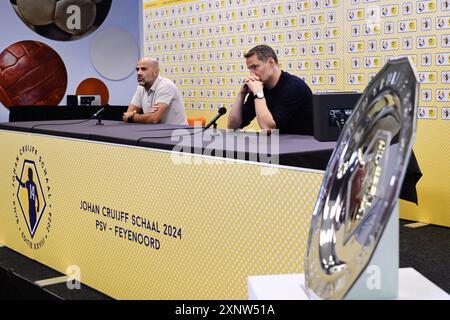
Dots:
(31, 197)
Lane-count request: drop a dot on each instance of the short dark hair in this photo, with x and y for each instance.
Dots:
(263, 52)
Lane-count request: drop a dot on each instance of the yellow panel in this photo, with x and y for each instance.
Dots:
(229, 219)
(334, 45)
(433, 154)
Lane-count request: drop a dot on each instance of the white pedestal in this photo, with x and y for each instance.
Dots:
(412, 286)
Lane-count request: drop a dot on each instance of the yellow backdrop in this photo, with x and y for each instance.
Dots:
(334, 45)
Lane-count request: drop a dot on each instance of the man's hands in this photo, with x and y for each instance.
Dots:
(127, 115)
(252, 84)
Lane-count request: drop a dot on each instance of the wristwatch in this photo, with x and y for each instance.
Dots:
(259, 95)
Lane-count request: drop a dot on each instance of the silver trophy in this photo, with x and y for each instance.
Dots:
(362, 182)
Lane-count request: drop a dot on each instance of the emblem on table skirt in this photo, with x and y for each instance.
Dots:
(31, 197)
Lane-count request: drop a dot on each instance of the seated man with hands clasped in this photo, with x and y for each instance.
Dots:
(276, 98)
(157, 99)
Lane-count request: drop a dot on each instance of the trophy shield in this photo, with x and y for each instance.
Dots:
(362, 182)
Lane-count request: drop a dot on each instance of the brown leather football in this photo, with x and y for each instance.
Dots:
(31, 73)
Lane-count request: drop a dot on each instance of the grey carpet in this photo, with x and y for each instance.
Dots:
(427, 249)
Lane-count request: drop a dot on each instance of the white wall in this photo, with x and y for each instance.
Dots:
(124, 14)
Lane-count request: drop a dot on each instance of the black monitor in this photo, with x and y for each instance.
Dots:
(72, 101)
(330, 112)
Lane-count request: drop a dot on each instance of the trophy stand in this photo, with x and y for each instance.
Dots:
(381, 280)
(378, 281)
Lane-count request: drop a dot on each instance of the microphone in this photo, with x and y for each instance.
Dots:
(221, 111)
(97, 116)
(99, 112)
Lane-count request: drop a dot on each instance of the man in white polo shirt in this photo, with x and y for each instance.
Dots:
(156, 99)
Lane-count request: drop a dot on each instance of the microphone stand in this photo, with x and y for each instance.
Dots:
(215, 132)
(99, 120)
(213, 122)
(98, 116)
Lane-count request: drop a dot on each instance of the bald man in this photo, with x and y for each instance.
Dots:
(157, 99)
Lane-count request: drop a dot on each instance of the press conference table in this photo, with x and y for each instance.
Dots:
(114, 199)
(292, 150)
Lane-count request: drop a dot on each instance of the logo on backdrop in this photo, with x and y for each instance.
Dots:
(31, 197)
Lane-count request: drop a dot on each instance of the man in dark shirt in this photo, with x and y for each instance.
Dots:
(276, 98)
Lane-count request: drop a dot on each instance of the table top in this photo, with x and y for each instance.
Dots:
(289, 150)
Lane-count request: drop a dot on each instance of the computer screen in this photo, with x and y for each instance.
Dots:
(89, 100)
(330, 112)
